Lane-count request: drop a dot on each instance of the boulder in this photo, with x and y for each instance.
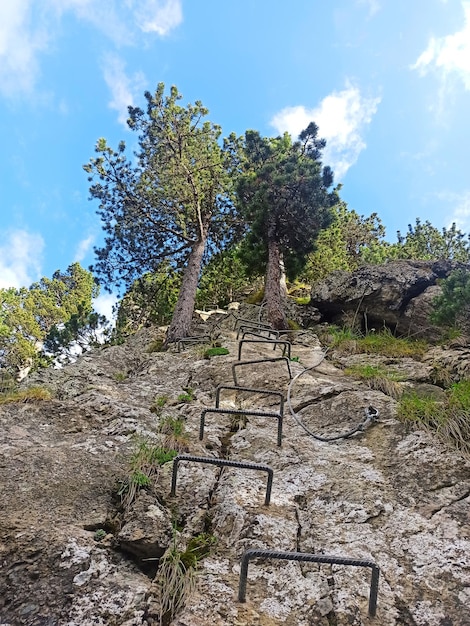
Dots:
(397, 295)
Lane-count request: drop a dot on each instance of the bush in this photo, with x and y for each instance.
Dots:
(450, 306)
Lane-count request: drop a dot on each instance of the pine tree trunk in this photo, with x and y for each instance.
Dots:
(184, 309)
(272, 289)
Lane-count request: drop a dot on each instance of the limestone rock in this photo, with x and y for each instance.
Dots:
(396, 294)
(390, 494)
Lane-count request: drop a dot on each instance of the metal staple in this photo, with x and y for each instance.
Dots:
(223, 463)
(315, 558)
(278, 416)
(251, 330)
(267, 360)
(250, 390)
(252, 323)
(198, 339)
(275, 342)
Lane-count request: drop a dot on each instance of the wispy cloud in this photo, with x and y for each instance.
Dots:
(457, 208)
(342, 118)
(20, 259)
(21, 40)
(27, 27)
(373, 6)
(123, 88)
(158, 16)
(449, 55)
(83, 248)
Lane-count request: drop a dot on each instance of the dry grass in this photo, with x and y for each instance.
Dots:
(32, 394)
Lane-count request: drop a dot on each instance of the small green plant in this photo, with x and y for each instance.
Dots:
(198, 547)
(158, 403)
(295, 359)
(187, 396)
(100, 534)
(144, 464)
(175, 578)
(119, 377)
(215, 351)
(302, 300)
(172, 426)
(174, 434)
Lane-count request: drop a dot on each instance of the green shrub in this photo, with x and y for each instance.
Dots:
(454, 300)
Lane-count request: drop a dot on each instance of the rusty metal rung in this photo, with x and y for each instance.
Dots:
(314, 558)
(267, 360)
(250, 390)
(223, 463)
(278, 416)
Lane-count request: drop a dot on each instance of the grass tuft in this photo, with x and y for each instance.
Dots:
(450, 418)
(31, 394)
(378, 378)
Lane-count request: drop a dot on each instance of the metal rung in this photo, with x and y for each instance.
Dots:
(223, 463)
(253, 323)
(250, 390)
(198, 339)
(278, 416)
(279, 358)
(315, 558)
(275, 342)
(251, 328)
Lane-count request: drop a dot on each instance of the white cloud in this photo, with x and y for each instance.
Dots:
(449, 55)
(104, 303)
(20, 259)
(123, 88)
(158, 16)
(341, 117)
(20, 42)
(27, 27)
(83, 248)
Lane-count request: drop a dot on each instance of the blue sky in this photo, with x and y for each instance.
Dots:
(387, 81)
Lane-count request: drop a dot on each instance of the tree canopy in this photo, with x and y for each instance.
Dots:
(285, 197)
(345, 243)
(28, 315)
(171, 200)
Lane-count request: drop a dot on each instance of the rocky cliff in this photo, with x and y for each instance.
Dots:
(72, 554)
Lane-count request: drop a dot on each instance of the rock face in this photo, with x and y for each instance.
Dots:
(391, 495)
(397, 294)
